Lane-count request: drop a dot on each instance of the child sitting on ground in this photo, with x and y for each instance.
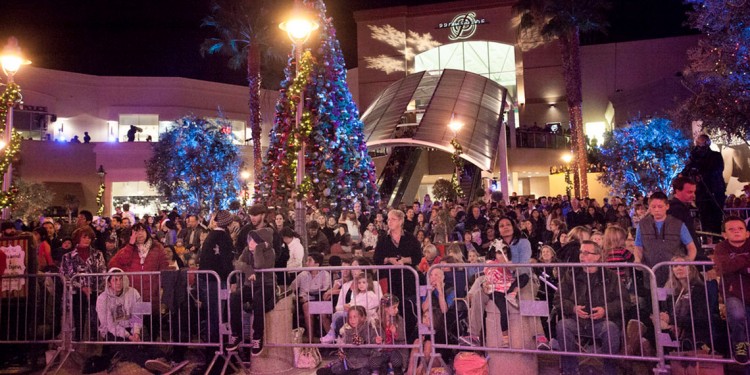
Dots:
(354, 360)
(393, 332)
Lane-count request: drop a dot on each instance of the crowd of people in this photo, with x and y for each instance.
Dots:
(377, 307)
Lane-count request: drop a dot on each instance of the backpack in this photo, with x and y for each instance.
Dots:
(470, 363)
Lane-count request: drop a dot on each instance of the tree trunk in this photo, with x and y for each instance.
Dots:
(253, 80)
(571, 64)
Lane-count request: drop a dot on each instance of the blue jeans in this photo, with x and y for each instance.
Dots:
(737, 314)
(604, 330)
(337, 321)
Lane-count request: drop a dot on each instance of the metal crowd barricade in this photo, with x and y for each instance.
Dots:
(178, 308)
(743, 212)
(534, 314)
(694, 328)
(31, 308)
(314, 310)
(31, 311)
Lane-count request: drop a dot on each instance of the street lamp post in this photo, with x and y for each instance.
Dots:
(100, 195)
(455, 126)
(245, 175)
(567, 158)
(11, 60)
(299, 28)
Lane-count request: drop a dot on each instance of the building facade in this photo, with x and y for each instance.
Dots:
(620, 81)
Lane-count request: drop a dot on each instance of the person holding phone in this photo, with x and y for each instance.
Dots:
(592, 301)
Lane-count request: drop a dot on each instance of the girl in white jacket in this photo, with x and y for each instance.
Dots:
(114, 308)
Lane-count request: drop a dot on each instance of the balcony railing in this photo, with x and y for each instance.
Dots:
(540, 139)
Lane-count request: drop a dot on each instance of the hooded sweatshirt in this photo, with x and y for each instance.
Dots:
(115, 311)
(263, 257)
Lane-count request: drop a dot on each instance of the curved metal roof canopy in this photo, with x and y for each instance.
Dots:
(416, 110)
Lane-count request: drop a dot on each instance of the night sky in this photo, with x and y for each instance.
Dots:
(162, 37)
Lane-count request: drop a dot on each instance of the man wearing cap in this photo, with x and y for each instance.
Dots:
(317, 242)
(257, 289)
(257, 214)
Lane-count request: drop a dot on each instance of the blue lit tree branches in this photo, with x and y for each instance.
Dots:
(195, 165)
(643, 157)
(719, 71)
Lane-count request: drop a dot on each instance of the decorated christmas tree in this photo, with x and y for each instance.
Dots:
(338, 169)
(643, 157)
(719, 71)
(195, 164)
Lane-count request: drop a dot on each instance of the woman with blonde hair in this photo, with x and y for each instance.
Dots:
(569, 253)
(613, 243)
(687, 315)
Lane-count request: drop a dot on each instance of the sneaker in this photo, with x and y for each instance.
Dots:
(512, 299)
(740, 352)
(505, 341)
(554, 344)
(233, 344)
(542, 343)
(257, 347)
(329, 338)
(159, 365)
(469, 340)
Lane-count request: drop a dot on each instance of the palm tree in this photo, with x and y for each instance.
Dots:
(565, 20)
(245, 33)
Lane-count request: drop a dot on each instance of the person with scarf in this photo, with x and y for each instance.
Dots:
(84, 258)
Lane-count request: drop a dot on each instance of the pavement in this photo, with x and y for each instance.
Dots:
(548, 365)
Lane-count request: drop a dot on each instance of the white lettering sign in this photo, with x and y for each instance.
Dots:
(463, 26)
(16, 265)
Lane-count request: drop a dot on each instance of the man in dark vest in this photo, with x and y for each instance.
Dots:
(659, 237)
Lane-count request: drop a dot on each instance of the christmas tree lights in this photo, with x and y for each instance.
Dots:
(338, 169)
(9, 98)
(643, 157)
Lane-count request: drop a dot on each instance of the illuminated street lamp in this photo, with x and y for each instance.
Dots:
(11, 60)
(455, 125)
(245, 176)
(299, 27)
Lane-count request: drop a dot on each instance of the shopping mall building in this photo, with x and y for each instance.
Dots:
(419, 68)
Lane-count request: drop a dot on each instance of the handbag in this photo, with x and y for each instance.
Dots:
(470, 363)
(308, 358)
(304, 357)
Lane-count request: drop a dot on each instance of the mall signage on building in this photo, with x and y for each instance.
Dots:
(463, 25)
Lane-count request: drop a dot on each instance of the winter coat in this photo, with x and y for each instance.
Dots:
(156, 259)
(357, 358)
(263, 257)
(598, 289)
(73, 263)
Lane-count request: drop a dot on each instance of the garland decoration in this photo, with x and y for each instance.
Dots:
(459, 163)
(9, 98)
(100, 200)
